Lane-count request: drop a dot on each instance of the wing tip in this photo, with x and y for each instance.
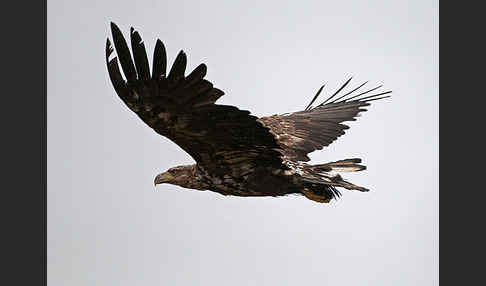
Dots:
(114, 28)
(355, 98)
(309, 106)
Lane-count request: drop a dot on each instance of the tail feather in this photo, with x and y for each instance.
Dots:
(321, 180)
(346, 165)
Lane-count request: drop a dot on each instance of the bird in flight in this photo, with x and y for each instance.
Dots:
(236, 153)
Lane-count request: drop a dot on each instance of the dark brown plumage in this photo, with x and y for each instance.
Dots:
(235, 153)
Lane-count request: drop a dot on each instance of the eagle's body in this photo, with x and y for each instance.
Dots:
(236, 153)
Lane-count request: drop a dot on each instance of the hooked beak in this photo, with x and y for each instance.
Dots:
(163, 178)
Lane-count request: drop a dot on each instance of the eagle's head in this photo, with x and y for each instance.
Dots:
(183, 176)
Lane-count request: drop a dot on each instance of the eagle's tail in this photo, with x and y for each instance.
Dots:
(321, 180)
(346, 165)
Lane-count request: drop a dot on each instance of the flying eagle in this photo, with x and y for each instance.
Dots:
(236, 153)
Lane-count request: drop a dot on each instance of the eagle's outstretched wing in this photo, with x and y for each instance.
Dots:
(221, 138)
(303, 132)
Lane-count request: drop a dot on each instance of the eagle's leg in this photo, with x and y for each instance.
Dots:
(320, 198)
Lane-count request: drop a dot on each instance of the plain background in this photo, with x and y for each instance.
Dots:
(108, 226)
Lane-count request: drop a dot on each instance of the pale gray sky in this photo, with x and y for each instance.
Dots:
(107, 225)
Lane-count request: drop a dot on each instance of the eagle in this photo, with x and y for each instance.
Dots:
(236, 153)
